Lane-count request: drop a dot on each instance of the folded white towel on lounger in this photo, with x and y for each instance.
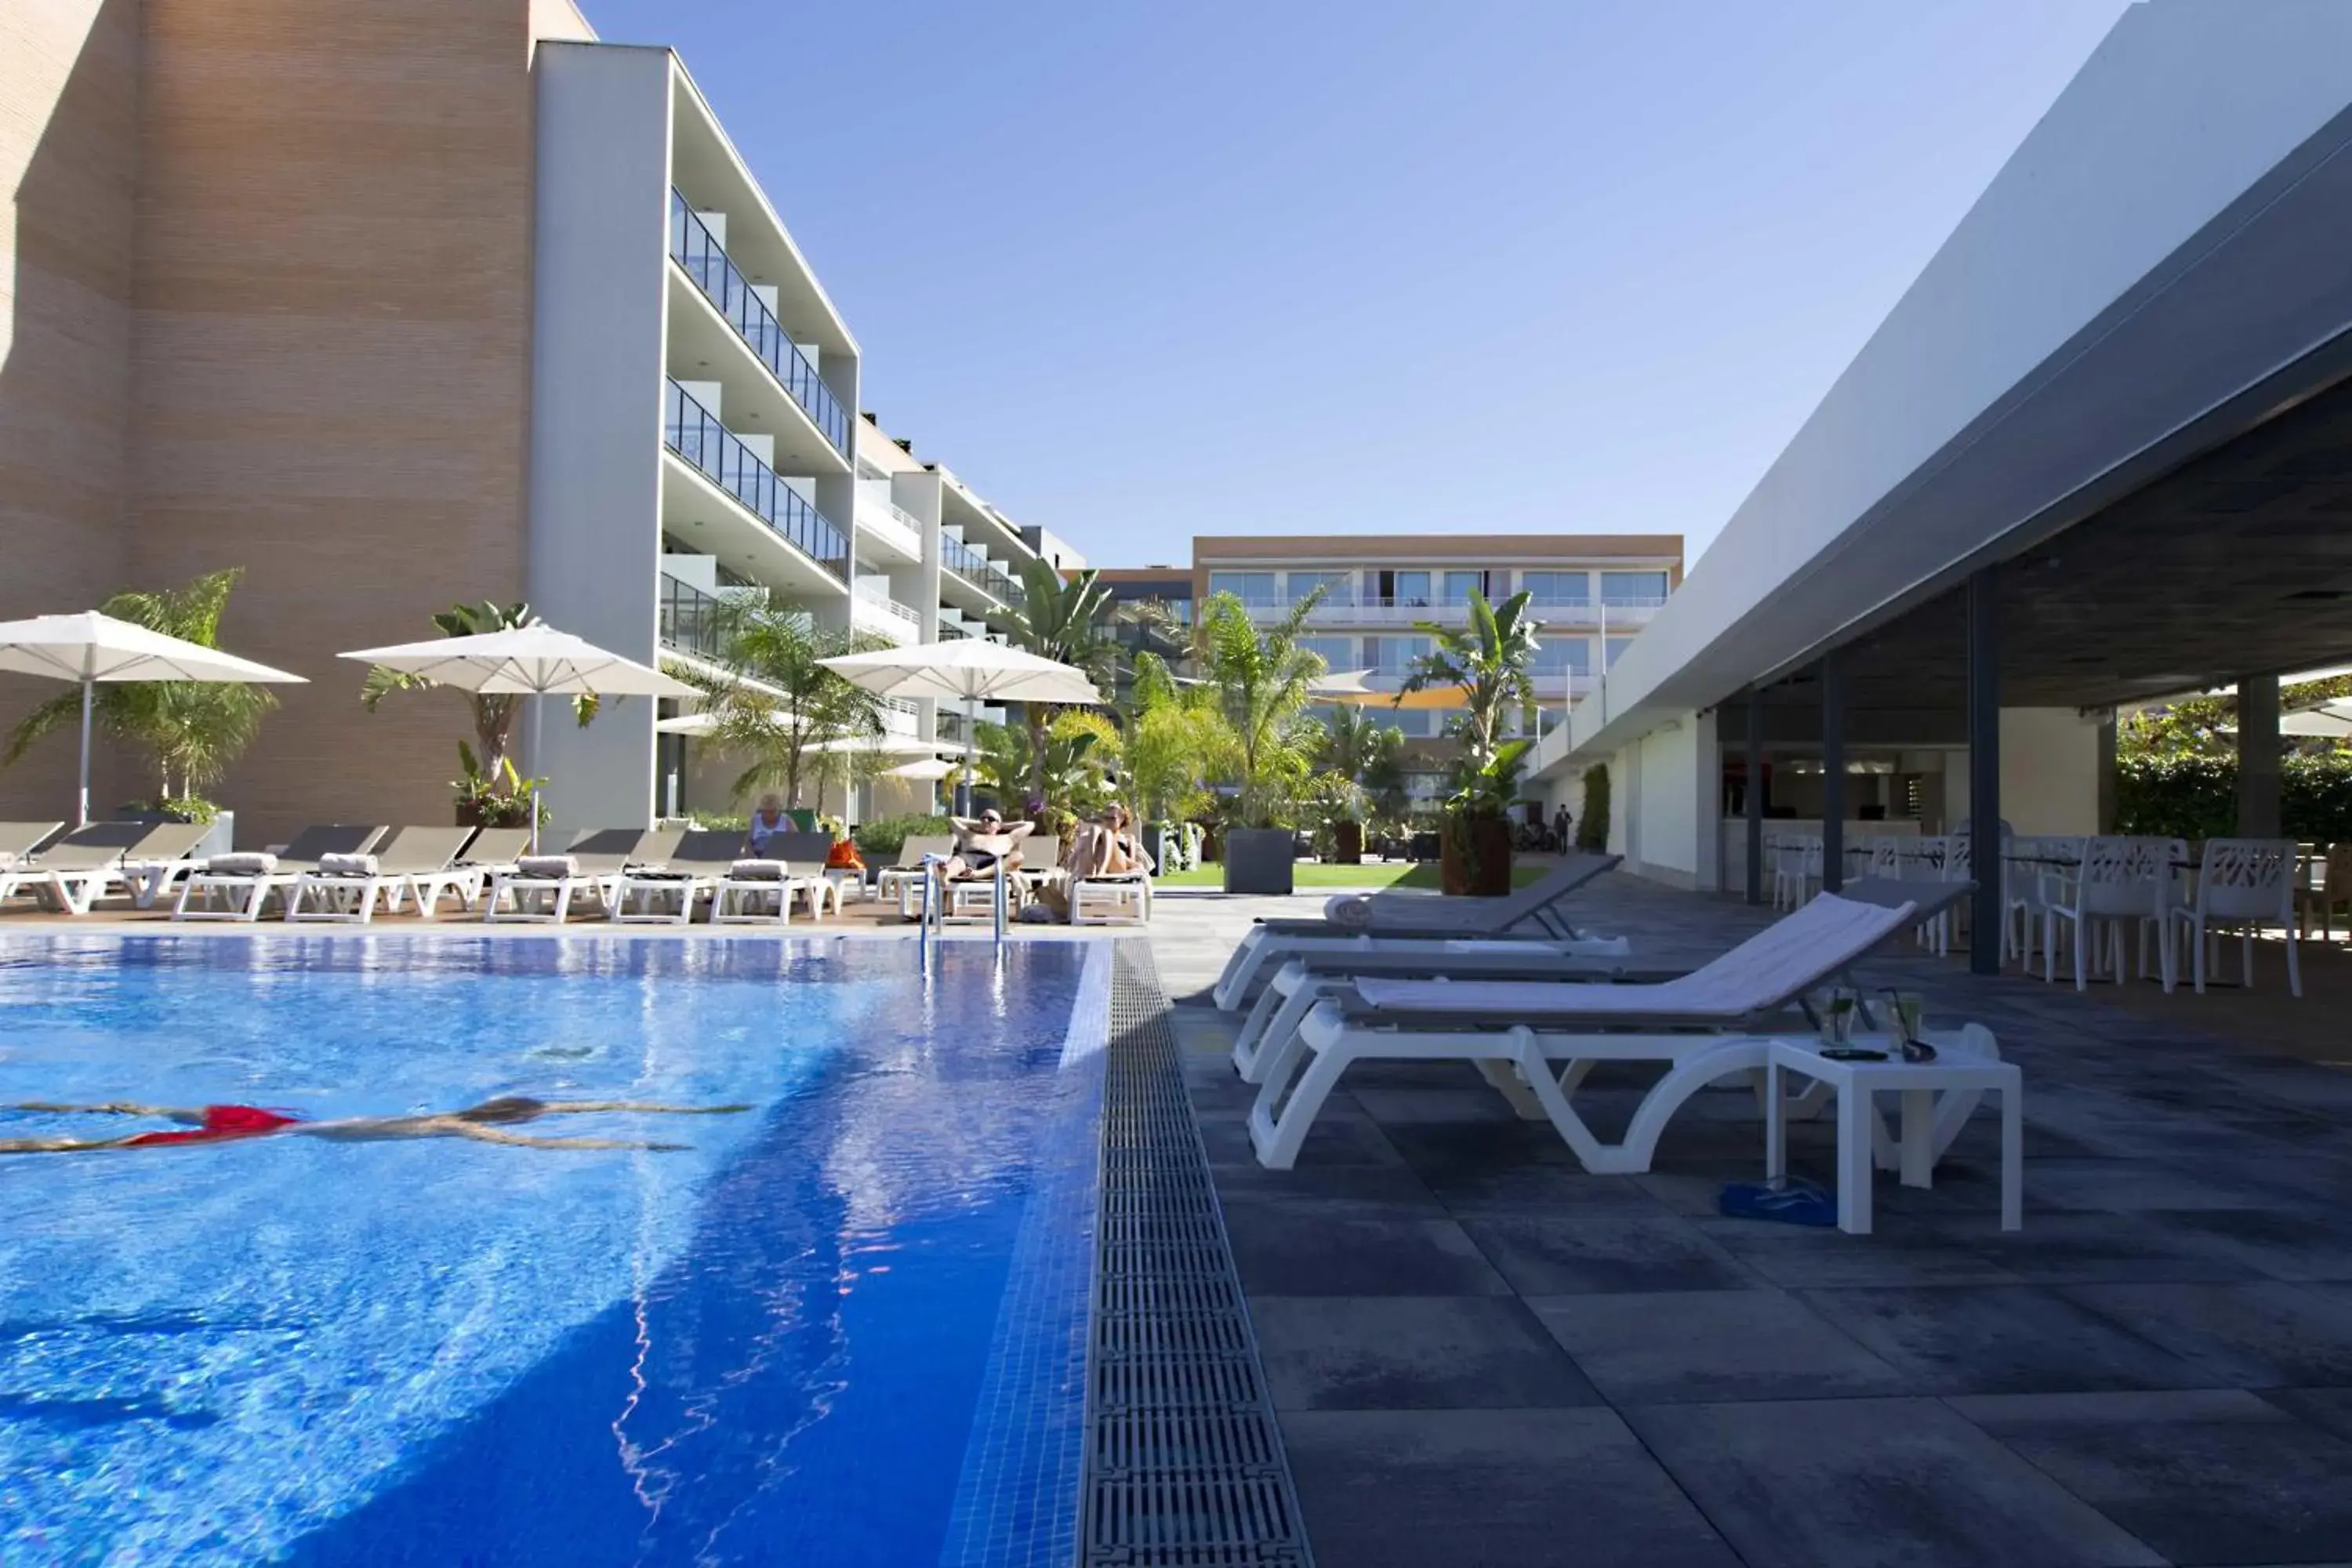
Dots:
(543, 866)
(245, 863)
(348, 865)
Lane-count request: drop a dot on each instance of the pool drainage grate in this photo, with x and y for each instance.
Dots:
(1184, 1465)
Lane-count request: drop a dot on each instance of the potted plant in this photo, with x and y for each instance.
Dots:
(1490, 661)
(483, 797)
(1264, 677)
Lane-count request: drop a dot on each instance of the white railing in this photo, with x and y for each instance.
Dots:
(890, 526)
(891, 618)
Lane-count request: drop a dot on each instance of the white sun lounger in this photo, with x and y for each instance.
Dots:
(19, 839)
(760, 892)
(238, 887)
(493, 851)
(1396, 924)
(345, 889)
(540, 888)
(68, 875)
(905, 879)
(1536, 1041)
(1272, 1024)
(668, 894)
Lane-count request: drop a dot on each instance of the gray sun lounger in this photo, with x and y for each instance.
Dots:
(1272, 1024)
(412, 862)
(237, 888)
(1530, 914)
(596, 863)
(68, 875)
(668, 894)
(1701, 1026)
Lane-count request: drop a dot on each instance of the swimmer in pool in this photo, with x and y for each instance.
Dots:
(488, 1123)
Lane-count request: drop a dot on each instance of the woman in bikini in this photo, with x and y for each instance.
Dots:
(488, 1123)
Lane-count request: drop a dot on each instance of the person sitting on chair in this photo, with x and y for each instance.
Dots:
(985, 847)
(768, 822)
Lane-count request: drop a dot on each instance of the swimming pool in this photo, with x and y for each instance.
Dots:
(843, 1325)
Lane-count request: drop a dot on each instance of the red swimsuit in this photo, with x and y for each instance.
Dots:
(222, 1124)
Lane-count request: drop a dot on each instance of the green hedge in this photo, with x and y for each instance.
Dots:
(2196, 797)
(884, 835)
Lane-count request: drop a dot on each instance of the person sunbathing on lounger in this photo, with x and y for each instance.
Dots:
(487, 1123)
(984, 845)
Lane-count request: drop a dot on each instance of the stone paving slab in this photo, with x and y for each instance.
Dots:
(1442, 1294)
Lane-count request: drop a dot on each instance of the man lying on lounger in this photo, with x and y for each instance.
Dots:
(487, 1123)
(983, 846)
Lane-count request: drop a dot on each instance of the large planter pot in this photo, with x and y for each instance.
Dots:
(1485, 871)
(1348, 843)
(1258, 859)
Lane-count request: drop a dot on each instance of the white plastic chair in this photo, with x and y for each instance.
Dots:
(1886, 858)
(2247, 883)
(2025, 884)
(2111, 884)
(1796, 866)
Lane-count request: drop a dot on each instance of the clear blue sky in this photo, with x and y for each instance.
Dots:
(1139, 271)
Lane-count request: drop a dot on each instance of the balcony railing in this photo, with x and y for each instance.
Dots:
(695, 434)
(698, 250)
(977, 570)
(688, 622)
(890, 522)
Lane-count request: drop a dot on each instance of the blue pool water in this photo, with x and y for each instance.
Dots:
(845, 1325)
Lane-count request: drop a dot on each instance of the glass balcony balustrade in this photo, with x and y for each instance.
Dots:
(698, 250)
(695, 434)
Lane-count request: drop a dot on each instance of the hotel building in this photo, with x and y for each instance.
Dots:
(1590, 593)
(395, 306)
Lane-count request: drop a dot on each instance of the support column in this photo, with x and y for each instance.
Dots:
(1833, 771)
(2106, 767)
(1984, 773)
(1755, 795)
(2258, 757)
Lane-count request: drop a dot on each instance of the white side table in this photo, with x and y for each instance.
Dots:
(1857, 1084)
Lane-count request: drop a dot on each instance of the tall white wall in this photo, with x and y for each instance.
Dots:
(598, 320)
(1669, 803)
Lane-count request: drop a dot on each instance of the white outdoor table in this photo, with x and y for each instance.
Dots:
(1857, 1084)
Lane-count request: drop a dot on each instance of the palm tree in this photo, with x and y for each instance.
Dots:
(1067, 620)
(1176, 738)
(494, 713)
(784, 703)
(1264, 678)
(192, 729)
(1368, 756)
(1492, 660)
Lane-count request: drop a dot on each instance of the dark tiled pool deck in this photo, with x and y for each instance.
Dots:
(1483, 1355)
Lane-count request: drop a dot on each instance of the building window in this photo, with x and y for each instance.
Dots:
(1565, 656)
(1255, 589)
(1549, 589)
(1408, 590)
(1336, 653)
(1458, 585)
(1339, 587)
(1616, 647)
(1394, 655)
(1634, 589)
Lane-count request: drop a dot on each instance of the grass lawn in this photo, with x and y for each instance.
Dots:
(1373, 874)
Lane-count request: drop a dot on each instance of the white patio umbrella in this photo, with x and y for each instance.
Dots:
(536, 661)
(933, 768)
(2332, 720)
(90, 647)
(969, 670)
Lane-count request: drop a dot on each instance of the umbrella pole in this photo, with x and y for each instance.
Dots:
(538, 716)
(961, 798)
(81, 810)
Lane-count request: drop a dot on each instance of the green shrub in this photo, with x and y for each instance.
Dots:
(1592, 827)
(2194, 796)
(885, 834)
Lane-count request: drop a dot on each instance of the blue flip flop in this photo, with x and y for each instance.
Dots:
(1791, 1203)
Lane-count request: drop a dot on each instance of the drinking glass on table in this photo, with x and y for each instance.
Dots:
(1839, 1006)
